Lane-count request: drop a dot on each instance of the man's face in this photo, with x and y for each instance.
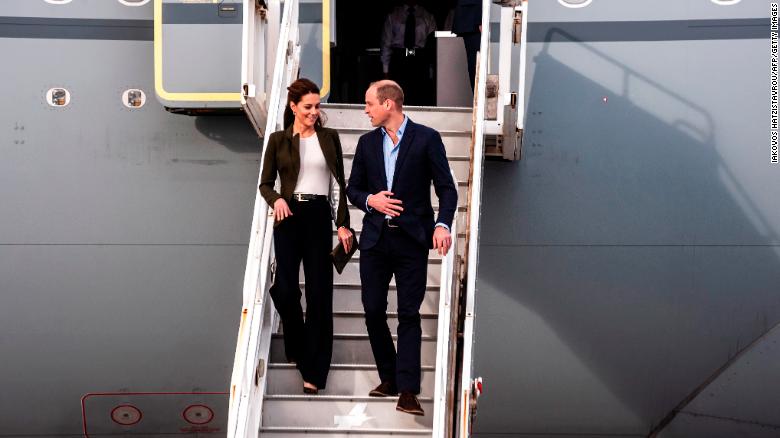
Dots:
(377, 112)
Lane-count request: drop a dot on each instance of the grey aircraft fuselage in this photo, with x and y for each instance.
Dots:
(630, 262)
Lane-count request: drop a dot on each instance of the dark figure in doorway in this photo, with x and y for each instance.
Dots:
(407, 55)
(467, 23)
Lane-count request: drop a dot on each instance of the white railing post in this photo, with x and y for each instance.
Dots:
(444, 334)
(474, 208)
(523, 8)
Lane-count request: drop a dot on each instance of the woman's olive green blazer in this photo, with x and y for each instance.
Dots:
(283, 155)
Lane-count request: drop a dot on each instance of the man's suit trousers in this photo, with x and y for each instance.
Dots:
(395, 253)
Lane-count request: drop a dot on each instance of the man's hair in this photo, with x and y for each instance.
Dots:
(387, 89)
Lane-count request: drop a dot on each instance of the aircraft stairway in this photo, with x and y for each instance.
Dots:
(344, 407)
(266, 393)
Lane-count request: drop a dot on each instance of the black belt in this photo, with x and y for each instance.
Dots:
(391, 223)
(305, 197)
(419, 51)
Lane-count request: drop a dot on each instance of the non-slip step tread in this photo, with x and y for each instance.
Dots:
(407, 108)
(340, 366)
(449, 157)
(336, 430)
(357, 286)
(358, 314)
(356, 398)
(461, 208)
(359, 337)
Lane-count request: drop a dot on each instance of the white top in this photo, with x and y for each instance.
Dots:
(314, 176)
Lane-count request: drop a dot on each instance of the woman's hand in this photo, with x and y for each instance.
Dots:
(281, 210)
(345, 237)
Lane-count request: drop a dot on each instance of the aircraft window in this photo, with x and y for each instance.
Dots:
(726, 2)
(134, 2)
(57, 2)
(58, 97)
(134, 98)
(575, 3)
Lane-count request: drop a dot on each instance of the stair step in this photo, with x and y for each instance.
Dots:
(445, 118)
(353, 322)
(459, 164)
(334, 432)
(353, 348)
(433, 257)
(456, 143)
(351, 272)
(348, 299)
(356, 221)
(356, 286)
(332, 411)
(342, 380)
(357, 227)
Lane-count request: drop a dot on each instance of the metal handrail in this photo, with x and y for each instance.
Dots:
(472, 243)
(249, 368)
(446, 336)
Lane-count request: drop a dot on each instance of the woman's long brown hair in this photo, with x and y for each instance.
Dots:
(295, 93)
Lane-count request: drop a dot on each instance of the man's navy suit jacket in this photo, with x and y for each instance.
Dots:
(421, 160)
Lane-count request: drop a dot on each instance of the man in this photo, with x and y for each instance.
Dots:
(467, 23)
(407, 56)
(391, 177)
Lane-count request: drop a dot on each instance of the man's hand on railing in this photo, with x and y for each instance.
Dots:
(442, 240)
(281, 210)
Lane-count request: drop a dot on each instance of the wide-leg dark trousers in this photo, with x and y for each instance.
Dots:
(396, 253)
(306, 236)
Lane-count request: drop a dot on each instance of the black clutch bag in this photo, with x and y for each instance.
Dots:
(340, 257)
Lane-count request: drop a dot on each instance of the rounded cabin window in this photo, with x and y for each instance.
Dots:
(58, 97)
(726, 2)
(575, 3)
(134, 98)
(57, 2)
(134, 2)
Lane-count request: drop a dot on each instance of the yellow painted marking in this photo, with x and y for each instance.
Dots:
(325, 89)
(158, 77)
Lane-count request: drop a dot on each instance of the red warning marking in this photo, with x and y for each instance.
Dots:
(126, 415)
(110, 394)
(198, 414)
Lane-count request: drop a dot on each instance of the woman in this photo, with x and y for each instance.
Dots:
(309, 162)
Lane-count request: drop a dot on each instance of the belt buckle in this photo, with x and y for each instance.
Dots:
(390, 223)
(299, 197)
(410, 52)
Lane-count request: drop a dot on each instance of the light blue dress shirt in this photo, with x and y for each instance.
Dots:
(390, 152)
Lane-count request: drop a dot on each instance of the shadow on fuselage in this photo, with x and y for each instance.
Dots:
(623, 257)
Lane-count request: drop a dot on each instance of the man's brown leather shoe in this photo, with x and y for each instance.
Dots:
(408, 403)
(385, 389)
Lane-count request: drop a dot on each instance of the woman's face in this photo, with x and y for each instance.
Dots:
(307, 111)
